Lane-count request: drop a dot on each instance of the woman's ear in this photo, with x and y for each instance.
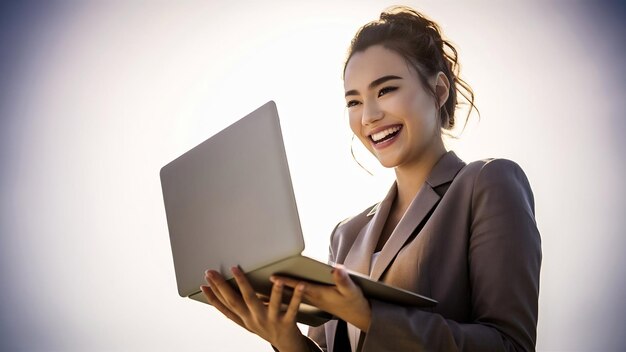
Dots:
(442, 89)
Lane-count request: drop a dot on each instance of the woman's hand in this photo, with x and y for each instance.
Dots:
(344, 300)
(267, 321)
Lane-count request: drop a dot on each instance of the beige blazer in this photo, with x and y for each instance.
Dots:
(470, 241)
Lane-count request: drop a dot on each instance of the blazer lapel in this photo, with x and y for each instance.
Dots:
(426, 199)
(360, 255)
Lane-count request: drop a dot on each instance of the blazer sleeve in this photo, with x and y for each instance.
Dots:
(504, 259)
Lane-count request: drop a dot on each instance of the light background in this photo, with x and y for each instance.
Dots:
(97, 96)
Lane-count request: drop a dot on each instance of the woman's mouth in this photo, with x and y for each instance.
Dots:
(385, 137)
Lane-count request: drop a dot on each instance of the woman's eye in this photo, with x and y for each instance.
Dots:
(352, 103)
(386, 90)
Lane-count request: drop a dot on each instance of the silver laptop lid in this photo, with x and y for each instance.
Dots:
(229, 201)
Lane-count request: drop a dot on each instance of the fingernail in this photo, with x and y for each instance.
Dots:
(278, 283)
(300, 287)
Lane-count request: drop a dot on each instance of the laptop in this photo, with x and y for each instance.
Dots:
(229, 201)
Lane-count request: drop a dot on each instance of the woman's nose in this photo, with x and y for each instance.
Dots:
(371, 114)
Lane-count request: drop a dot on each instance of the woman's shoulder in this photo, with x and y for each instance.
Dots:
(492, 170)
(347, 229)
(359, 218)
(490, 164)
(499, 180)
(492, 174)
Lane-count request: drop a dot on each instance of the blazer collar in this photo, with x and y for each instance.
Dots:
(445, 169)
(359, 257)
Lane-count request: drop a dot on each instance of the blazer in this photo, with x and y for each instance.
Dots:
(469, 240)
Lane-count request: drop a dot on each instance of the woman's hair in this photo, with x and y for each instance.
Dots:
(418, 40)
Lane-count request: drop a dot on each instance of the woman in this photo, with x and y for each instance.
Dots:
(463, 234)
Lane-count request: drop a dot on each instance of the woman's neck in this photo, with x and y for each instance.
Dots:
(411, 177)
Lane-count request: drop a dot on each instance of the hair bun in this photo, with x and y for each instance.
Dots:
(416, 22)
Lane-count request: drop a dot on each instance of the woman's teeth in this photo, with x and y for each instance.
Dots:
(379, 136)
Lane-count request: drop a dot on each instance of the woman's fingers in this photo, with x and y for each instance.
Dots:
(247, 292)
(287, 281)
(344, 283)
(314, 294)
(215, 302)
(214, 290)
(294, 304)
(276, 300)
(225, 293)
(247, 308)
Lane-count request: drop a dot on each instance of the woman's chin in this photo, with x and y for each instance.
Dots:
(387, 163)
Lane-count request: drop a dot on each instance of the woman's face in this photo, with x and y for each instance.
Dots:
(390, 112)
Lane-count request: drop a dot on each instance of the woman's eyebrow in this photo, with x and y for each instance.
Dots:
(374, 83)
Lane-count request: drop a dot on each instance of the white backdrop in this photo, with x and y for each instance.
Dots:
(97, 96)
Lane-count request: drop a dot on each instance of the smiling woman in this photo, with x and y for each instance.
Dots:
(391, 103)
(463, 234)
(96, 96)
